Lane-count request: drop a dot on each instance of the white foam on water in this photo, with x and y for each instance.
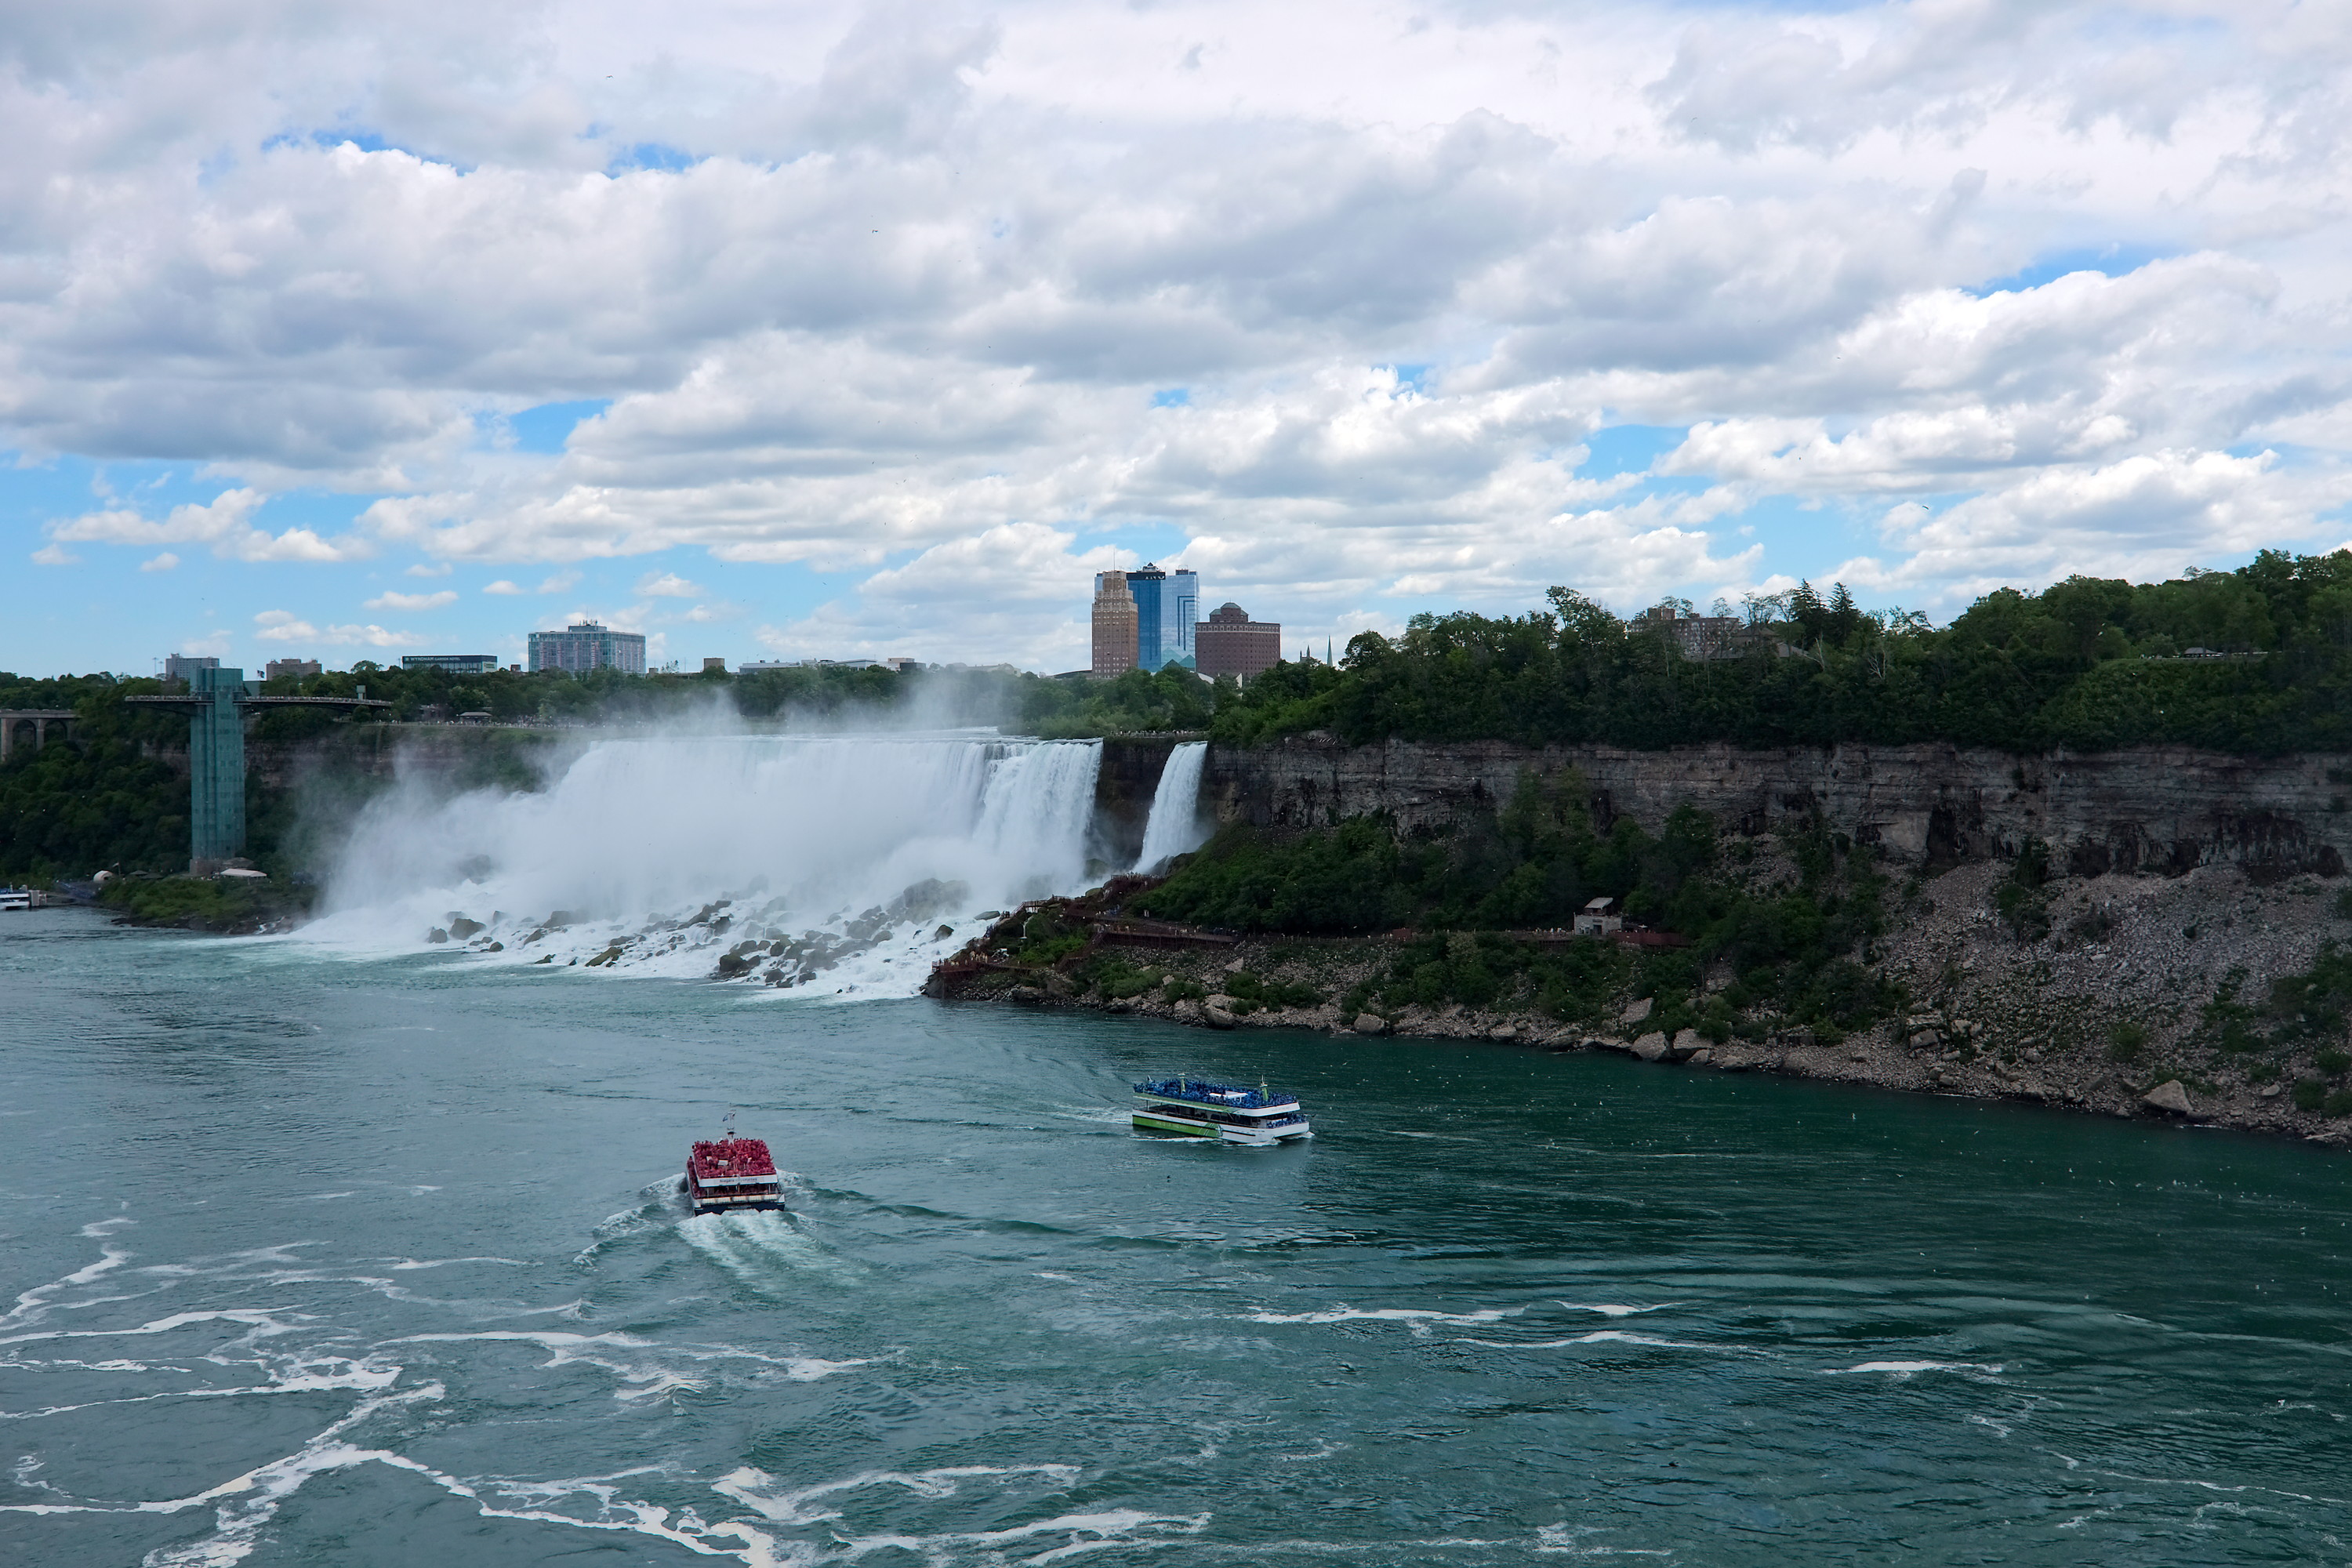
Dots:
(847, 851)
(1419, 1318)
(1609, 1337)
(1907, 1369)
(645, 1374)
(1572, 1541)
(758, 1490)
(764, 1249)
(1612, 1310)
(1175, 826)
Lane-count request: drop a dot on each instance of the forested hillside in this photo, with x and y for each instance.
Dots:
(2088, 663)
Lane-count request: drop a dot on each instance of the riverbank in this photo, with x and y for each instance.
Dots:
(2117, 995)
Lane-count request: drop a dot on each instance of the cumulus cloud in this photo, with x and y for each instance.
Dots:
(391, 601)
(224, 523)
(285, 626)
(166, 561)
(908, 292)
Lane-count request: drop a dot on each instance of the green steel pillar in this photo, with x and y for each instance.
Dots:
(216, 770)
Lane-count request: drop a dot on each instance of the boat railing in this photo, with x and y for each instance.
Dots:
(1224, 1096)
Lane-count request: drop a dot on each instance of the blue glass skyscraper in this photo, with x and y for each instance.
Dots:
(1167, 605)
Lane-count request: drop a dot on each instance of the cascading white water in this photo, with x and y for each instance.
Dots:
(842, 858)
(1174, 825)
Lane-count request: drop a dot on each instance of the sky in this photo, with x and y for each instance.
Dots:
(341, 329)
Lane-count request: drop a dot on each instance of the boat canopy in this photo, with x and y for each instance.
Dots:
(1226, 1096)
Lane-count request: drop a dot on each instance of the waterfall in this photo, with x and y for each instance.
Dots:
(1174, 825)
(841, 857)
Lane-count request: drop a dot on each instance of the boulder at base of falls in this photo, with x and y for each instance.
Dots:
(731, 965)
(1687, 1043)
(1370, 1024)
(1217, 1012)
(461, 928)
(1651, 1047)
(436, 935)
(2169, 1096)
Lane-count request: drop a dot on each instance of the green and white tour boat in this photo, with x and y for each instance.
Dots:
(1260, 1117)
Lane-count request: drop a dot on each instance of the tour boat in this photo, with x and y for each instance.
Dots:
(730, 1173)
(1259, 1117)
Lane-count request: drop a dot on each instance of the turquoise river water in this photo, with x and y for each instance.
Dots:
(328, 1260)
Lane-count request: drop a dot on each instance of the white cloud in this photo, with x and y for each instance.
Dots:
(223, 523)
(55, 555)
(166, 561)
(284, 627)
(412, 601)
(926, 277)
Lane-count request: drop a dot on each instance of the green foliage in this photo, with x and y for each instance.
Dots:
(2024, 907)
(1045, 939)
(2310, 1093)
(204, 903)
(2337, 1103)
(1115, 978)
(2125, 1041)
(104, 798)
(2331, 1062)
(2088, 663)
(1251, 992)
(1530, 866)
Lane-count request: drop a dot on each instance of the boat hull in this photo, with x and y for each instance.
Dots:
(1249, 1137)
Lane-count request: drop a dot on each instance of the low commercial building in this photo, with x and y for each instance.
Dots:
(1230, 642)
(289, 670)
(584, 645)
(454, 663)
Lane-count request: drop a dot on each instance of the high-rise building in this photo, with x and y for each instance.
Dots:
(1115, 626)
(584, 645)
(457, 663)
(1167, 604)
(1230, 642)
(289, 670)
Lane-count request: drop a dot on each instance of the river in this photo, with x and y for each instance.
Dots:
(314, 1257)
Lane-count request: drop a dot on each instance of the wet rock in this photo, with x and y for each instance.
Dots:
(1651, 1047)
(1028, 996)
(1370, 1024)
(1703, 1057)
(1217, 1012)
(1636, 1012)
(1060, 985)
(436, 935)
(1685, 1043)
(944, 932)
(495, 947)
(462, 928)
(560, 918)
(731, 965)
(2169, 1096)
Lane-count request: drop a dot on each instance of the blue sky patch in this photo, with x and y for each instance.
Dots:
(548, 425)
(2113, 260)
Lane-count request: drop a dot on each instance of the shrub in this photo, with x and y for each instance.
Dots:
(2125, 1041)
(2310, 1093)
(2333, 1062)
(2338, 1103)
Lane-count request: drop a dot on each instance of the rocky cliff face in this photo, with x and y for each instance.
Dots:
(2165, 809)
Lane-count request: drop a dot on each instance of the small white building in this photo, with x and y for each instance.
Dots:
(1598, 918)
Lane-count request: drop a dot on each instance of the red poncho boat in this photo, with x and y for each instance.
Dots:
(732, 1173)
